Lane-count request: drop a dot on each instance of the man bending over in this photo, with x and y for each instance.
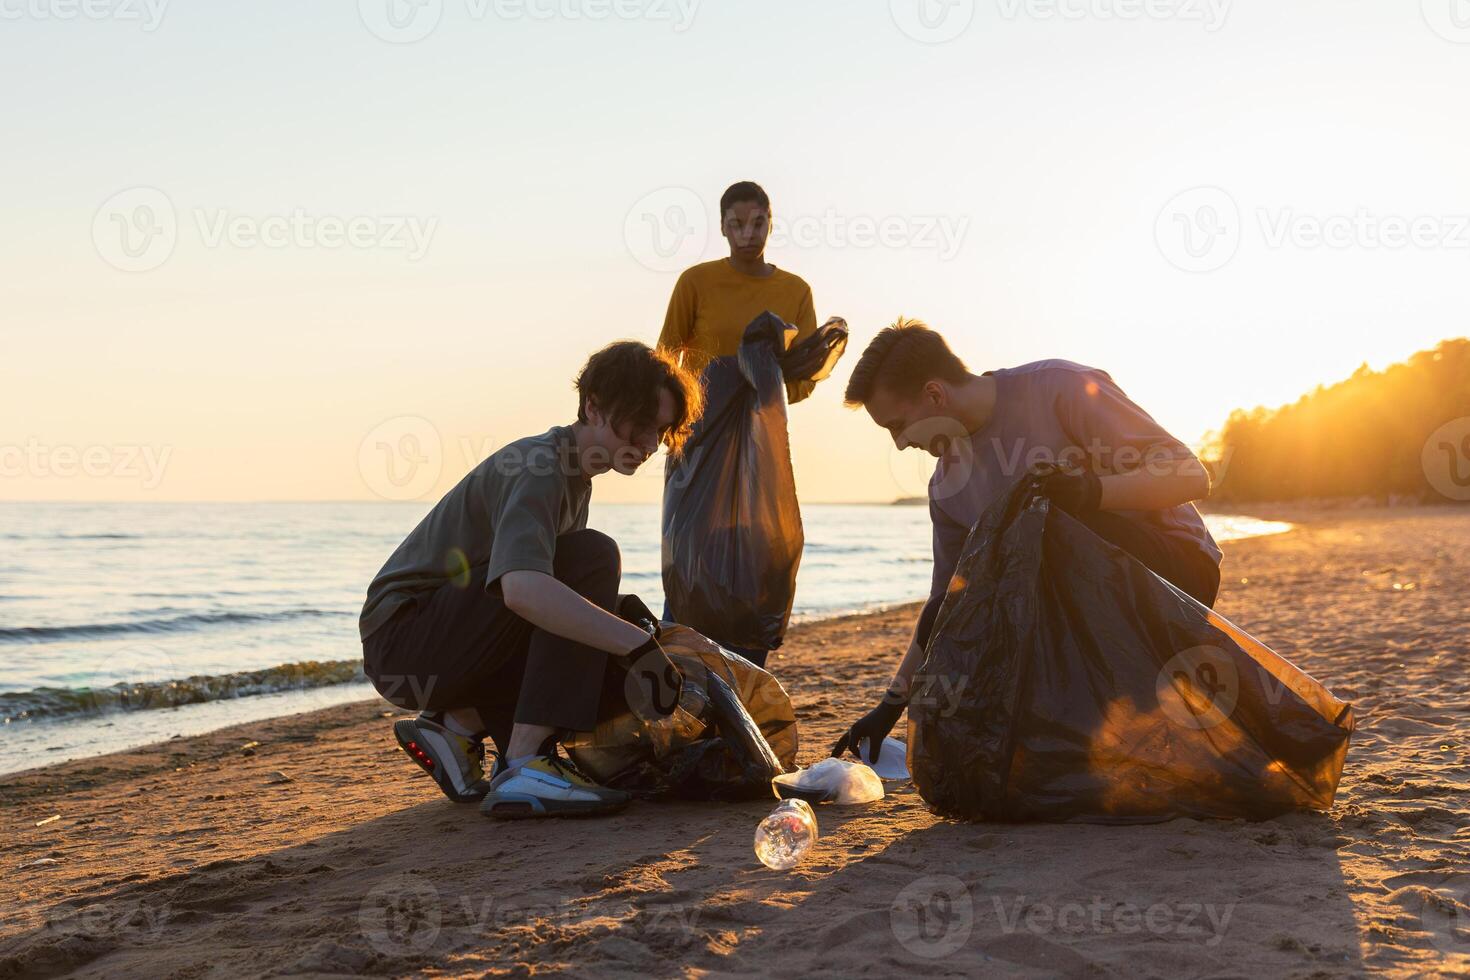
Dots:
(1135, 486)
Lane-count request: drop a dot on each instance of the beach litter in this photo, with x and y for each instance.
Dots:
(784, 838)
(832, 780)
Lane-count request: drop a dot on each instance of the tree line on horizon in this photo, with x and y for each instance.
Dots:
(1362, 437)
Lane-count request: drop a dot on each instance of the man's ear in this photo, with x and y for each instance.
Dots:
(936, 394)
(593, 413)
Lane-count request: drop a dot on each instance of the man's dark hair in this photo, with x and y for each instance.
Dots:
(746, 190)
(625, 378)
(902, 359)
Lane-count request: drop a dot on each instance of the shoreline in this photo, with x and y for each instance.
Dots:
(59, 736)
(210, 854)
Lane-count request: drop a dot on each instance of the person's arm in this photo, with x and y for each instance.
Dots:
(806, 325)
(544, 602)
(949, 540)
(1150, 469)
(679, 320)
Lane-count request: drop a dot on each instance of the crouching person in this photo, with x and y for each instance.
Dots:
(495, 618)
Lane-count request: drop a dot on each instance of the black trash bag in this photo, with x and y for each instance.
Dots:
(1064, 681)
(731, 730)
(732, 535)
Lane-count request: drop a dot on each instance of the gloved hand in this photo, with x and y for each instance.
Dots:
(653, 684)
(1078, 494)
(875, 725)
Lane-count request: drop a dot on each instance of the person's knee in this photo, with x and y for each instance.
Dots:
(588, 553)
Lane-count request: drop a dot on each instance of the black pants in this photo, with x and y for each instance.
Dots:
(460, 647)
(1178, 562)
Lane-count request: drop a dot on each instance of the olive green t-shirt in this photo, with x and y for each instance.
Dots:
(505, 515)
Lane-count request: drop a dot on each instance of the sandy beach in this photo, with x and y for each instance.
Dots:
(320, 850)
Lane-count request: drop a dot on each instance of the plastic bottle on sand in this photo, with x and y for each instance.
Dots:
(784, 837)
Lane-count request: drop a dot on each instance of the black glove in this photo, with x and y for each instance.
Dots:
(1078, 494)
(653, 685)
(875, 726)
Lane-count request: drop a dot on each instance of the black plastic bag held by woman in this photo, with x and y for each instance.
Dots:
(732, 535)
(1066, 681)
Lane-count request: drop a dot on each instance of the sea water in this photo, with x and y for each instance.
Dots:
(224, 613)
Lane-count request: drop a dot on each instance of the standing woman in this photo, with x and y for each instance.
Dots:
(713, 302)
(731, 546)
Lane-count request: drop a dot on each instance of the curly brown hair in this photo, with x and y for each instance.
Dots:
(625, 377)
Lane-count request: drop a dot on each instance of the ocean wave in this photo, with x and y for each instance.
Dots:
(178, 624)
(60, 702)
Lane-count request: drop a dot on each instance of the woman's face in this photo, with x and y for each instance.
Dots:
(746, 226)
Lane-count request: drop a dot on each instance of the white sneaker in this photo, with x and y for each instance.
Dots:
(457, 763)
(548, 786)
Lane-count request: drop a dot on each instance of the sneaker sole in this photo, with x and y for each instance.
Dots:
(520, 806)
(407, 731)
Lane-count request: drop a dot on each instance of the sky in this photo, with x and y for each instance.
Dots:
(341, 251)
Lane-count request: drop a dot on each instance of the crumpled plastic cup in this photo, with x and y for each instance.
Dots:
(830, 781)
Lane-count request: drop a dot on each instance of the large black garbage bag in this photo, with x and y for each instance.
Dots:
(732, 729)
(1066, 681)
(732, 536)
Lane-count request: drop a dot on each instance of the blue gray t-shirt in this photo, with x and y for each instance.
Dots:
(1051, 411)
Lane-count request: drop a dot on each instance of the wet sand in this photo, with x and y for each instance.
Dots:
(321, 850)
